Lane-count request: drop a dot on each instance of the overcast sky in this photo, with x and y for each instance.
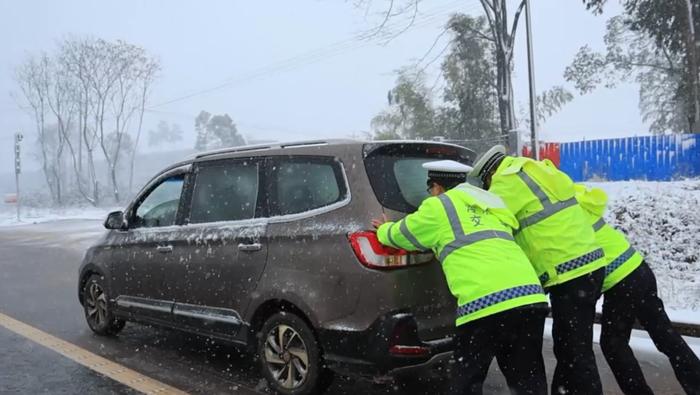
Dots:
(291, 70)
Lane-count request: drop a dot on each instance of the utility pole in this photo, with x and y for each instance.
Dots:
(692, 64)
(531, 74)
(18, 169)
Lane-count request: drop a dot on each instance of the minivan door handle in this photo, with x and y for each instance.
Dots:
(165, 249)
(250, 247)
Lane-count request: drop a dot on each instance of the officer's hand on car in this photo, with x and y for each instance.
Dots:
(377, 222)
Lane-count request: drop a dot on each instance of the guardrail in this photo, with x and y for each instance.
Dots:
(685, 329)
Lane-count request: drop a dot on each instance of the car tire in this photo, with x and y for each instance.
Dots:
(290, 357)
(98, 313)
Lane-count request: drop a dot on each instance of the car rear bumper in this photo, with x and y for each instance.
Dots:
(373, 353)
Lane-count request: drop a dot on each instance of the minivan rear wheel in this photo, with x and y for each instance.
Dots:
(96, 306)
(290, 357)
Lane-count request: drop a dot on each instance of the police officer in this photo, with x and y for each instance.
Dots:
(559, 241)
(501, 304)
(630, 293)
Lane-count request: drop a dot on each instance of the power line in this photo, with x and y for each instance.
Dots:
(357, 41)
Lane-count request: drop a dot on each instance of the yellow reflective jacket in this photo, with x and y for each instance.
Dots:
(469, 230)
(554, 230)
(620, 257)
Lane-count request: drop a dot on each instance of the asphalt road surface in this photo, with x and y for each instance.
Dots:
(38, 274)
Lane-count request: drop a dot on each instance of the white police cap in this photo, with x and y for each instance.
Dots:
(447, 169)
(485, 163)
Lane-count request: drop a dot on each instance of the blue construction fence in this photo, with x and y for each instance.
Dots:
(653, 158)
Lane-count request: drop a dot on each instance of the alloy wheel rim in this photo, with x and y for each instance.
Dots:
(286, 356)
(96, 304)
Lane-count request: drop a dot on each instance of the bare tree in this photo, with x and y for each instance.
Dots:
(92, 93)
(131, 73)
(34, 80)
(147, 74)
(114, 79)
(61, 101)
(105, 68)
(74, 56)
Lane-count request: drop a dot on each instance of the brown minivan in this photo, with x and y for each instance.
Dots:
(269, 247)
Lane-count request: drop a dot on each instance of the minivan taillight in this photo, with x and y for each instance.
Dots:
(372, 254)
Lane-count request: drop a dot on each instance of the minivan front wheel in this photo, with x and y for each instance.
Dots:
(290, 356)
(96, 306)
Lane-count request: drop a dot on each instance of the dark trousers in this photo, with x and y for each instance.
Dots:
(514, 338)
(635, 297)
(573, 312)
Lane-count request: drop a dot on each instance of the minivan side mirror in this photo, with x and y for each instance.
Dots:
(115, 220)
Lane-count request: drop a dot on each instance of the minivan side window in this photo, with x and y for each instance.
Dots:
(302, 184)
(159, 207)
(225, 192)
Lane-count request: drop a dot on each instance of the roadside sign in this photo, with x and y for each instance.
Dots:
(18, 169)
(11, 198)
(18, 166)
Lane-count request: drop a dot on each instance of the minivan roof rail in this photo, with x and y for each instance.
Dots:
(259, 147)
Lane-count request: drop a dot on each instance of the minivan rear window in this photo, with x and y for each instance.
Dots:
(396, 173)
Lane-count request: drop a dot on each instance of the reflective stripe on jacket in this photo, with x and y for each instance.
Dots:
(620, 257)
(469, 230)
(554, 230)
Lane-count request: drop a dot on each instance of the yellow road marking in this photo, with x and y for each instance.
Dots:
(101, 365)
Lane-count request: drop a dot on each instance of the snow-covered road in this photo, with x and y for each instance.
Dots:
(38, 287)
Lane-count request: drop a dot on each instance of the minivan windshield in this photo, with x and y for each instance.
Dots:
(396, 173)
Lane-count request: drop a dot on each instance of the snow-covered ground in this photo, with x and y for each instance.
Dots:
(662, 221)
(30, 215)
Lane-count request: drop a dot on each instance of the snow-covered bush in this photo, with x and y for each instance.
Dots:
(662, 220)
